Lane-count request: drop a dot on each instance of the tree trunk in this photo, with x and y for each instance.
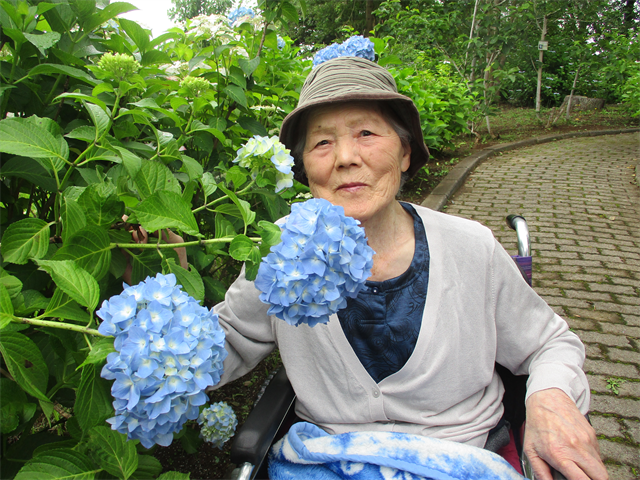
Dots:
(573, 88)
(368, 18)
(540, 58)
(628, 15)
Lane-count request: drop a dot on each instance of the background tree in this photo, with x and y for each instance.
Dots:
(325, 21)
(185, 9)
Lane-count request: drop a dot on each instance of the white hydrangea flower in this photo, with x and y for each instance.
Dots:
(267, 152)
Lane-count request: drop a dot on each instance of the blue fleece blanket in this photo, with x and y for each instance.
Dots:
(308, 452)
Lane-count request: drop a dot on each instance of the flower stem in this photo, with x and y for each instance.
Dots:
(178, 245)
(60, 325)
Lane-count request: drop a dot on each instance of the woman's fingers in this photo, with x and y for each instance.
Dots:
(557, 433)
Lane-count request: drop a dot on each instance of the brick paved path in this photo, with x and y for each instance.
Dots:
(583, 211)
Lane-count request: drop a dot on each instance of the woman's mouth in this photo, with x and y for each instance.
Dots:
(351, 187)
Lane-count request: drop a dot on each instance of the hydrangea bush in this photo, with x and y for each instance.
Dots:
(322, 259)
(169, 349)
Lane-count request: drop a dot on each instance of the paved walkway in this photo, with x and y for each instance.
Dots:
(582, 205)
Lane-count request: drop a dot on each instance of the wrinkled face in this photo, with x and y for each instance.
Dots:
(353, 158)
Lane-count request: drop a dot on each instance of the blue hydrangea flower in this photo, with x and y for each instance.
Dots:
(217, 423)
(281, 43)
(169, 349)
(261, 153)
(239, 13)
(356, 46)
(322, 258)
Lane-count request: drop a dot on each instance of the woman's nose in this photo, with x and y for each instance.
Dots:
(347, 154)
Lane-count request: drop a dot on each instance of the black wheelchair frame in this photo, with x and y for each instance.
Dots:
(274, 412)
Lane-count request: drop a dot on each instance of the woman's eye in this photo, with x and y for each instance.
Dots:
(322, 142)
(366, 133)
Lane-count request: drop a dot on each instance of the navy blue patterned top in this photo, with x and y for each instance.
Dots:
(382, 324)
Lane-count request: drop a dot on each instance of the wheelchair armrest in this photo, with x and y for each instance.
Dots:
(528, 470)
(251, 443)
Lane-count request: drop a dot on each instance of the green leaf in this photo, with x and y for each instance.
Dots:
(5, 301)
(237, 176)
(30, 301)
(223, 227)
(237, 76)
(289, 12)
(130, 160)
(110, 11)
(112, 452)
(154, 176)
(240, 248)
(269, 232)
(99, 352)
(12, 284)
(101, 204)
(253, 125)
(190, 280)
(73, 218)
(23, 136)
(172, 475)
(138, 34)
(214, 289)
(154, 57)
(30, 170)
(99, 116)
(25, 363)
(236, 94)
(144, 265)
(93, 400)
(25, 239)
(166, 210)
(151, 104)
(74, 281)
(245, 207)
(192, 167)
(90, 249)
(43, 41)
(390, 60)
(52, 68)
(84, 133)
(62, 306)
(60, 464)
(148, 467)
(209, 184)
(82, 96)
(249, 66)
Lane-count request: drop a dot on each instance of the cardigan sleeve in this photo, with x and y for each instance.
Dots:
(531, 338)
(247, 326)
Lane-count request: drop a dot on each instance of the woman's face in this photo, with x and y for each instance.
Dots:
(353, 158)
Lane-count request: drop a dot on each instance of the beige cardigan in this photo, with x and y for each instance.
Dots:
(478, 311)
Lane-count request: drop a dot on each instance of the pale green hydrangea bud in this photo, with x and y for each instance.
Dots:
(119, 66)
(195, 86)
(218, 424)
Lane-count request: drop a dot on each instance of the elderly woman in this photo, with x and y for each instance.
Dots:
(415, 352)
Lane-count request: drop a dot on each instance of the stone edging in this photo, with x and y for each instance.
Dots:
(456, 177)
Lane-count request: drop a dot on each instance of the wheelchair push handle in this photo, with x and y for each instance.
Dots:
(519, 224)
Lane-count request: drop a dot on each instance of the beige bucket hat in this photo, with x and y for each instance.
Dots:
(346, 79)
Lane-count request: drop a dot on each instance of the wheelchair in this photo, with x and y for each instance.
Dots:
(274, 411)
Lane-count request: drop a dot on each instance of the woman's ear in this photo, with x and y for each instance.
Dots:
(406, 159)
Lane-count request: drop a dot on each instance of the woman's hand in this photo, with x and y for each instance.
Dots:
(558, 434)
(140, 235)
